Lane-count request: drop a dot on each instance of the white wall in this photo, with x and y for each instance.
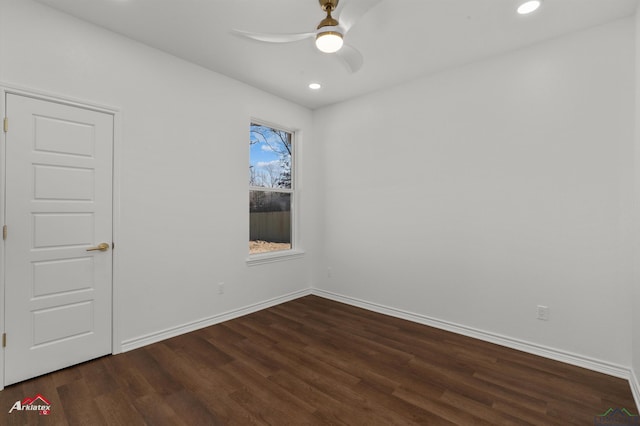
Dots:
(474, 195)
(184, 166)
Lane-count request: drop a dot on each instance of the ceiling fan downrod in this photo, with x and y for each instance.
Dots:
(328, 6)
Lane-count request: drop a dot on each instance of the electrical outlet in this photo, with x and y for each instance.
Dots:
(543, 313)
(221, 288)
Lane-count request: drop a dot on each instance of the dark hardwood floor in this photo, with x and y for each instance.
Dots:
(314, 361)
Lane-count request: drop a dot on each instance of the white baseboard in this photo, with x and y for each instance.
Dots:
(635, 389)
(148, 339)
(544, 351)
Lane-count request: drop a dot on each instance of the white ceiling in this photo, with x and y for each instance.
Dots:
(400, 39)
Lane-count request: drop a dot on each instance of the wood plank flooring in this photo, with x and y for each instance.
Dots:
(317, 362)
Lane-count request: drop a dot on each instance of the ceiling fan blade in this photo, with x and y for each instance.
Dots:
(273, 38)
(355, 10)
(351, 58)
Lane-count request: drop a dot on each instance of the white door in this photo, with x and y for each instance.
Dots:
(58, 210)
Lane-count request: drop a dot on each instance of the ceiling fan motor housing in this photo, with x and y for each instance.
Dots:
(329, 5)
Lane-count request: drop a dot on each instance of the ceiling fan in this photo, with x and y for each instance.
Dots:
(330, 32)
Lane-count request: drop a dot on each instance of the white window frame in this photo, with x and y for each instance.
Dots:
(294, 252)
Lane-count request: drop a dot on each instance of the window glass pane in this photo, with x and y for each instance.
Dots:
(270, 221)
(270, 158)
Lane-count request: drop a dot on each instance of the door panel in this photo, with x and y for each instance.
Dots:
(62, 275)
(63, 183)
(63, 136)
(58, 204)
(62, 229)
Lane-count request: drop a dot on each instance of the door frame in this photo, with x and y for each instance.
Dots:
(6, 89)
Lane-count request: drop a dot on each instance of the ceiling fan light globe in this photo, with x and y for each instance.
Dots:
(329, 41)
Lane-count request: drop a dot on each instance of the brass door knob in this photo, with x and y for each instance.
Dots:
(101, 247)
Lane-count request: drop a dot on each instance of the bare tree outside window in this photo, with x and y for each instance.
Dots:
(270, 189)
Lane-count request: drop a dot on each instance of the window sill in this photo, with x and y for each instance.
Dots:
(279, 256)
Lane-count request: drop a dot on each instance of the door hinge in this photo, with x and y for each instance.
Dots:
(4, 232)
(6, 124)
(4, 340)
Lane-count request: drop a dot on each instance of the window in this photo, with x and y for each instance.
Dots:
(271, 189)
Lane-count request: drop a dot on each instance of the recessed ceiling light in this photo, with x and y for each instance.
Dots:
(314, 86)
(529, 6)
